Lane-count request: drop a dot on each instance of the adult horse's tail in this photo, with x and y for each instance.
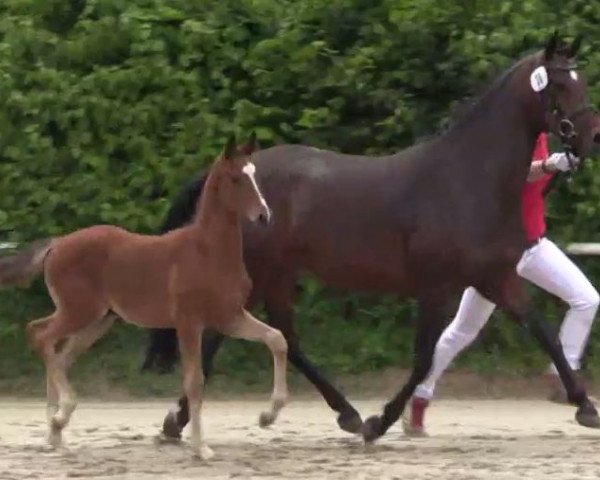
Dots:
(24, 266)
(162, 352)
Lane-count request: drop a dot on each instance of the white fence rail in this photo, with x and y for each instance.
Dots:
(572, 248)
(584, 248)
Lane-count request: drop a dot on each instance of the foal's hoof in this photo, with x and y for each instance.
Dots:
(170, 427)
(371, 429)
(350, 421)
(204, 452)
(55, 439)
(57, 423)
(587, 415)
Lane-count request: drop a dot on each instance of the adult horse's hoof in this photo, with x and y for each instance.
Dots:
(266, 419)
(350, 421)
(171, 428)
(371, 429)
(587, 415)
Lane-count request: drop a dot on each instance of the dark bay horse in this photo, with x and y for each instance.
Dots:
(425, 222)
(153, 281)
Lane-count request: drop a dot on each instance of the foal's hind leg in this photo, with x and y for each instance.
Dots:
(44, 335)
(83, 340)
(250, 328)
(51, 391)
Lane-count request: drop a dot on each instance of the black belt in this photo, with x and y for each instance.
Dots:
(532, 243)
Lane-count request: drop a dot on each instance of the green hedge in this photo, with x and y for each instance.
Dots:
(109, 106)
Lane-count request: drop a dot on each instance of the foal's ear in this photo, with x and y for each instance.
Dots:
(230, 148)
(551, 46)
(250, 146)
(574, 48)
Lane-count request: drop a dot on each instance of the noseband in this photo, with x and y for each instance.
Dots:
(566, 126)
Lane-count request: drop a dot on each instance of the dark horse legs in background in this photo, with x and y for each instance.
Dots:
(510, 297)
(279, 308)
(429, 328)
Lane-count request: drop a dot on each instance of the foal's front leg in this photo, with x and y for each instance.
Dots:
(250, 328)
(193, 385)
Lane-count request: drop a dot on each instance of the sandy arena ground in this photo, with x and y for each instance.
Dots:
(482, 439)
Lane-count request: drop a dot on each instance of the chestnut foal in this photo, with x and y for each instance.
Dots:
(188, 279)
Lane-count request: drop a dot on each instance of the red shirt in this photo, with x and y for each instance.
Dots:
(534, 207)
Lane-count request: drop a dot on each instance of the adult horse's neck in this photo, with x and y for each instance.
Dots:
(217, 226)
(498, 135)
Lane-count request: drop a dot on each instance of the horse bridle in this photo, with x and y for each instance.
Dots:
(566, 126)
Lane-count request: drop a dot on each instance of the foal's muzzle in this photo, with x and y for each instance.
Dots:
(264, 217)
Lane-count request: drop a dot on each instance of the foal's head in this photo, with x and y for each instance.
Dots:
(563, 92)
(237, 190)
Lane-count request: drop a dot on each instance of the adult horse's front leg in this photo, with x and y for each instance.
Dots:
(429, 328)
(280, 312)
(510, 297)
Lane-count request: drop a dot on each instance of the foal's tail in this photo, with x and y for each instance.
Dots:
(161, 354)
(20, 269)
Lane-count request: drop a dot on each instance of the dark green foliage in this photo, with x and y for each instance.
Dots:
(109, 106)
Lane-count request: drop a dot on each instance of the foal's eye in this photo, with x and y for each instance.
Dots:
(235, 180)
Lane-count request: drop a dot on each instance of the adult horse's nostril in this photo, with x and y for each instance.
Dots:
(597, 138)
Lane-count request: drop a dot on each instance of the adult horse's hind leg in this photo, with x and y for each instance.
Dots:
(280, 311)
(250, 328)
(161, 354)
(429, 328)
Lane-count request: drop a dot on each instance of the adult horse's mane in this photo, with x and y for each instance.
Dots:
(472, 106)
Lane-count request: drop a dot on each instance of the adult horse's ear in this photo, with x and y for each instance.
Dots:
(251, 145)
(230, 148)
(574, 48)
(551, 46)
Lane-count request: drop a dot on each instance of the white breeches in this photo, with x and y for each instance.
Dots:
(546, 266)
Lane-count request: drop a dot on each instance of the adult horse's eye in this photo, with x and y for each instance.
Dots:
(236, 180)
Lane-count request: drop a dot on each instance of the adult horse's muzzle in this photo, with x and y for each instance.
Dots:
(580, 133)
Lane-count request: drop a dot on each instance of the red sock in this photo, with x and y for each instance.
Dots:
(418, 406)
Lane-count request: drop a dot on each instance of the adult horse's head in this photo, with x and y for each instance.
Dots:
(563, 108)
(237, 187)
